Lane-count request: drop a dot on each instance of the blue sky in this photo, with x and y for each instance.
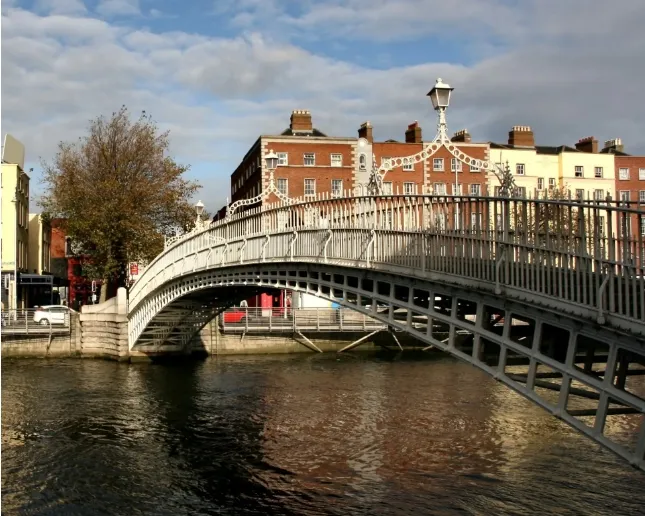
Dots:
(219, 73)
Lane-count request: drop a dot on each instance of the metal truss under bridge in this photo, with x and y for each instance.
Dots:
(545, 296)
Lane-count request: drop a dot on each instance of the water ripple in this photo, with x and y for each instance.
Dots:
(301, 435)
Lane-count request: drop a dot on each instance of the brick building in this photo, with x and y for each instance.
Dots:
(312, 163)
(630, 183)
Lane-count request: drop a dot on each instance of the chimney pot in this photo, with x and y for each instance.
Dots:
(301, 121)
(461, 136)
(521, 136)
(413, 133)
(365, 131)
(614, 144)
(588, 144)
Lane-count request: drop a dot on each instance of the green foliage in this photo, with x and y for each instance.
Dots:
(119, 193)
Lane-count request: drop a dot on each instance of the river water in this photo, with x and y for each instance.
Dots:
(303, 435)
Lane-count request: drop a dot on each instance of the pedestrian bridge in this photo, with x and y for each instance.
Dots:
(546, 296)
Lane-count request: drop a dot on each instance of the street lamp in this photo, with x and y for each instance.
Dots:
(199, 209)
(440, 97)
(271, 160)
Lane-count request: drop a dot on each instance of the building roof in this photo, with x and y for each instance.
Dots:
(614, 151)
(540, 149)
(315, 132)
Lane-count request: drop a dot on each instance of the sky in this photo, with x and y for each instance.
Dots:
(219, 73)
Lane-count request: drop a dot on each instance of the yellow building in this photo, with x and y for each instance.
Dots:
(15, 220)
(582, 170)
(40, 238)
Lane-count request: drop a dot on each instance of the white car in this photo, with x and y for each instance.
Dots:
(52, 314)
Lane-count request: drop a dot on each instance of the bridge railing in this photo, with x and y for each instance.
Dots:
(588, 254)
(280, 320)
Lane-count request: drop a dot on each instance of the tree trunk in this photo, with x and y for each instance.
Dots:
(104, 288)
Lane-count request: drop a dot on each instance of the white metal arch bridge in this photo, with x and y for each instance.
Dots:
(546, 296)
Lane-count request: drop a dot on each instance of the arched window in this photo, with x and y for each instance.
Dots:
(362, 162)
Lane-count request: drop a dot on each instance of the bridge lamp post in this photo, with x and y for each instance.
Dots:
(271, 160)
(199, 209)
(440, 97)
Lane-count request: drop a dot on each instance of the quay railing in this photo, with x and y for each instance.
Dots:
(281, 320)
(585, 258)
(25, 322)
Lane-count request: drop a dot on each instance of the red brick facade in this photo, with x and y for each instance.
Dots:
(630, 186)
(314, 164)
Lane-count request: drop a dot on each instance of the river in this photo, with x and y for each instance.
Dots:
(360, 434)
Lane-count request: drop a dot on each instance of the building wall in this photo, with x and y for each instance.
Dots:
(40, 236)
(15, 219)
(535, 165)
(634, 187)
(323, 171)
(589, 183)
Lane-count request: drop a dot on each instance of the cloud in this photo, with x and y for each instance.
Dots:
(60, 6)
(554, 71)
(112, 8)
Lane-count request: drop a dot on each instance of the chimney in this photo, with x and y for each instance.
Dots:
(462, 136)
(615, 145)
(365, 131)
(521, 136)
(413, 133)
(301, 121)
(588, 144)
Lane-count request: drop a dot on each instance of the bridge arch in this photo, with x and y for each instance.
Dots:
(538, 319)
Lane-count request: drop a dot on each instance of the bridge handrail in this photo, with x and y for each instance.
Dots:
(576, 237)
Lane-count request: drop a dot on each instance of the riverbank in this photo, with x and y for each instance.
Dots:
(101, 338)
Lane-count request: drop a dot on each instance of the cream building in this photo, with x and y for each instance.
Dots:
(582, 170)
(40, 238)
(15, 220)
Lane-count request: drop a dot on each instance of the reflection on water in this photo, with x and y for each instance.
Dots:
(361, 434)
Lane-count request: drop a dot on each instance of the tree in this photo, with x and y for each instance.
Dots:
(119, 193)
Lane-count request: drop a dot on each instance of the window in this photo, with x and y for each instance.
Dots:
(475, 220)
(455, 165)
(552, 182)
(475, 189)
(520, 191)
(642, 225)
(626, 226)
(336, 187)
(440, 188)
(601, 226)
(580, 194)
(407, 165)
(362, 162)
(283, 186)
(520, 169)
(641, 197)
(579, 171)
(456, 189)
(437, 164)
(336, 160)
(598, 195)
(387, 188)
(623, 174)
(624, 195)
(597, 172)
(540, 185)
(283, 158)
(310, 159)
(641, 174)
(440, 220)
(310, 187)
(474, 168)
(409, 188)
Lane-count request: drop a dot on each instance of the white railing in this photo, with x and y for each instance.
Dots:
(280, 320)
(579, 253)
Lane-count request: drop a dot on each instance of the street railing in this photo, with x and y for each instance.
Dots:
(585, 258)
(280, 320)
(24, 322)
